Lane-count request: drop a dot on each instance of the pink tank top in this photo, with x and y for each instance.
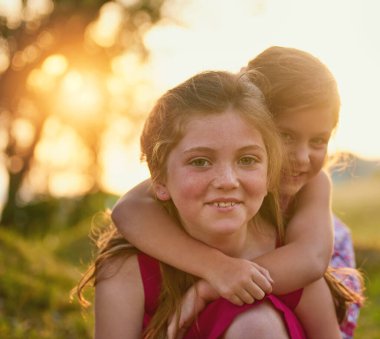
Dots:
(218, 315)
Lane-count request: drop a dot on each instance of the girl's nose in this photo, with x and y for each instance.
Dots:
(226, 178)
(301, 156)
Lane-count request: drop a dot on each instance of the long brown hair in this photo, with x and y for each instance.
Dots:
(205, 93)
(296, 80)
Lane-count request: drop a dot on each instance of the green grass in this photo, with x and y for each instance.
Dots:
(35, 285)
(38, 273)
(358, 204)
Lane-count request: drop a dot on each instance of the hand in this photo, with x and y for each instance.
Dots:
(193, 302)
(240, 281)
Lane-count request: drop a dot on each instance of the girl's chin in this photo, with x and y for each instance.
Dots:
(289, 191)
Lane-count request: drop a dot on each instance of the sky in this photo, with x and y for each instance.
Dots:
(226, 34)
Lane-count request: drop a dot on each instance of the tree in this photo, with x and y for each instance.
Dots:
(39, 46)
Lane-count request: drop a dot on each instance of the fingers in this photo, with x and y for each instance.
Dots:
(171, 329)
(246, 297)
(261, 282)
(255, 291)
(250, 287)
(236, 300)
(264, 272)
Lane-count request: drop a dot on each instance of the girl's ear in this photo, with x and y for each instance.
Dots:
(162, 192)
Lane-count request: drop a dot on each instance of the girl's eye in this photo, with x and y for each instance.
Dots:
(200, 162)
(319, 142)
(247, 160)
(286, 137)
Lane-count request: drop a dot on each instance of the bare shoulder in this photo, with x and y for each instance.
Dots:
(119, 300)
(322, 178)
(320, 186)
(120, 270)
(138, 195)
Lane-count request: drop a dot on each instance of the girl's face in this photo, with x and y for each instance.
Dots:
(306, 134)
(217, 177)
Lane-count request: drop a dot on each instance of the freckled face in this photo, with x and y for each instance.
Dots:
(217, 175)
(306, 134)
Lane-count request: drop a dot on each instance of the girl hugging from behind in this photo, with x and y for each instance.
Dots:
(211, 146)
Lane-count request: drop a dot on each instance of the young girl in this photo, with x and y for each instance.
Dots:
(302, 96)
(215, 159)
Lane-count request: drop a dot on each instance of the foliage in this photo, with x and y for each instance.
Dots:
(34, 289)
(30, 84)
(50, 216)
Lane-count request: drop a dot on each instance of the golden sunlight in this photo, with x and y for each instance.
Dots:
(347, 42)
(68, 169)
(11, 10)
(121, 167)
(23, 131)
(105, 30)
(69, 183)
(57, 145)
(80, 96)
(44, 79)
(4, 55)
(55, 65)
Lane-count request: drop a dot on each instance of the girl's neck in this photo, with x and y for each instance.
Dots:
(254, 239)
(286, 203)
(234, 245)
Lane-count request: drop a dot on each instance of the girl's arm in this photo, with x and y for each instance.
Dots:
(316, 311)
(119, 301)
(146, 224)
(309, 240)
(304, 258)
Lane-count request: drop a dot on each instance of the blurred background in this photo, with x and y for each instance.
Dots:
(78, 78)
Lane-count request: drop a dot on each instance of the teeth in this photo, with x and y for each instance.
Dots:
(224, 204)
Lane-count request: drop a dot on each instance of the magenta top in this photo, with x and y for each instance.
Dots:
(218, 315)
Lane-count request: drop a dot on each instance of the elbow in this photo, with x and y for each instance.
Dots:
(115, 214)
(117, 219)
(320, 262)
(119, 216)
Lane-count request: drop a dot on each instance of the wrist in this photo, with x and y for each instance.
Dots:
(215, 260)
(205, 291)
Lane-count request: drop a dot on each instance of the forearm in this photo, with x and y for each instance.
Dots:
(309, 240)
(292, 266)
(316, 311)
(147, 225)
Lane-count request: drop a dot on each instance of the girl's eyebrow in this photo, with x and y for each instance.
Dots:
(290, 130)
(199, 149)
(253, 147)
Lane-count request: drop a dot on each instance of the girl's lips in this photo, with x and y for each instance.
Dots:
(224, 204)
(294, 175)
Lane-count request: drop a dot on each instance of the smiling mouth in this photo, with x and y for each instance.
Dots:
(294, 174)
(223, 204)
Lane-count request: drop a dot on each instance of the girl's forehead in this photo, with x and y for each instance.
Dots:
(318, 118)
(220, 127)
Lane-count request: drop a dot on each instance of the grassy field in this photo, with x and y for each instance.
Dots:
(37, 274)
(357, 202)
